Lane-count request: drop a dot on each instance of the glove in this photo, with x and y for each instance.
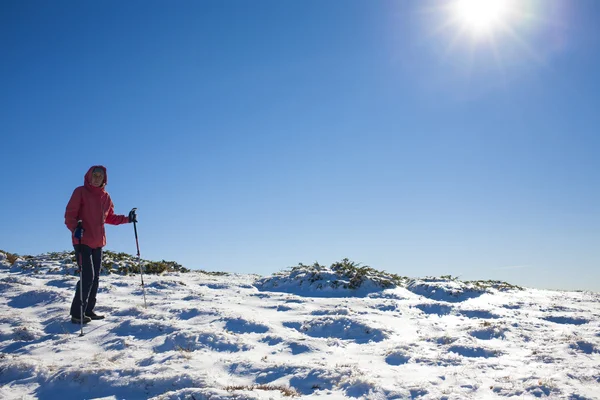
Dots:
(78, 233)
(132, 216)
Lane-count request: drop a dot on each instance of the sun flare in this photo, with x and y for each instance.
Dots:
(482, 16)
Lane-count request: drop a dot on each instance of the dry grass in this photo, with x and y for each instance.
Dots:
(286, 391)
(11, 258)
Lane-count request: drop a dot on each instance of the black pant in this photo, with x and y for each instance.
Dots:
(90, 262)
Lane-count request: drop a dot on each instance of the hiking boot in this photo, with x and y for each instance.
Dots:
(93, 315)
(77, 320)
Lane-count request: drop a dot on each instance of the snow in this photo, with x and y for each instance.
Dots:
(234, 336)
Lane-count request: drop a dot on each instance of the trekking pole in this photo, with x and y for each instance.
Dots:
(80, 264)
(139, 259)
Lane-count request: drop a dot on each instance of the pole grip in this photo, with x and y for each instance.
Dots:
(78, 255)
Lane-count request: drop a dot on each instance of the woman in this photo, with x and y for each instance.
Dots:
(91, 205)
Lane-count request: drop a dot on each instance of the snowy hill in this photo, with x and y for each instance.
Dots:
(341, 332)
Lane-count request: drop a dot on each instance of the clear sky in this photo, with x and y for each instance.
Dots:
(254, 135)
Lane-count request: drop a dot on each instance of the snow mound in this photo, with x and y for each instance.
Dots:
(452, 290)
(349, 279)
(342, 279)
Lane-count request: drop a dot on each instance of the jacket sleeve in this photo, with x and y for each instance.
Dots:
(72, 211)
(112, 218)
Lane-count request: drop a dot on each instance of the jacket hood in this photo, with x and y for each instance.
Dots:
(88, 177)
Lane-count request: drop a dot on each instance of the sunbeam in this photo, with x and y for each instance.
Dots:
(497, 29)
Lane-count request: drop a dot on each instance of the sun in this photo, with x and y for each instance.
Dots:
(474, 34)
(482, 16)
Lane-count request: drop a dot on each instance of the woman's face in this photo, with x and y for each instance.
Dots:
(97, 178)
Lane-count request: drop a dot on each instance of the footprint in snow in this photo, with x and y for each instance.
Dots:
(12, 319)
(26, 334)
(61, 283)
(435, 309)
(192, 342)
(473, 351)
(146, 362)
(116, 344)
(316, 379)
(442, 340)
(416, 393)
(34, 298)
(566, 320)
(585, 347)
(557, 308)
(193, 313)
(438, 361)
(297, 301)
(193, 297)
(120, 284)
(15, 279)
(266, 375)
(164, 285)
(358, 389)
(240, 325)
(340, 328)
(128, 312)
(386, 307)
(215, 286)
(397, 358)
(481, 314)
(271, 340)
(511, 306)
(60, 325)
(142, 330)
(335, 311)
(488, 333)
(261, 295)
(298, 348)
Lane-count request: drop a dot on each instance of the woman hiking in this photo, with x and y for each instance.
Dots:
(89, 208)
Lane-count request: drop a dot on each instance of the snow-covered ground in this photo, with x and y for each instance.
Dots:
(240, 337)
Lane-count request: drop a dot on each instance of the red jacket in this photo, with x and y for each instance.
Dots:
(93, 206)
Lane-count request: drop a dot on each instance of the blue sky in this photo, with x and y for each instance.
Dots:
(256, 135)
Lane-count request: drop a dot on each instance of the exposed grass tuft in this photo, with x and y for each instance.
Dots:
(285, 390)
(10, 257)
(352, 275)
